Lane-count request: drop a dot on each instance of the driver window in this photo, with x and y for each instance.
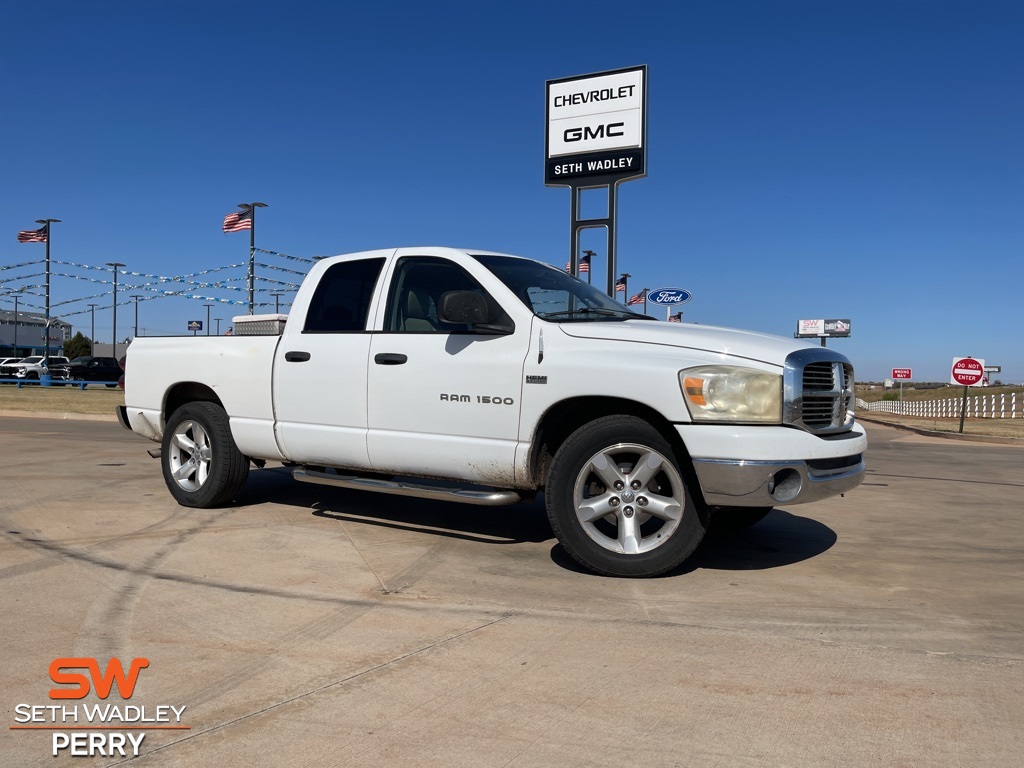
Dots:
(416, 291)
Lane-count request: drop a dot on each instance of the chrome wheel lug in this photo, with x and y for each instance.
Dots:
(619, 485)
(614, 501)
(627, 511)
(635, 485)
(641, 501)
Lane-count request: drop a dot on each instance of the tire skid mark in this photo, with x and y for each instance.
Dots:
(217, 584)
(197, 733)
(105, 630)
(427, 561)
(317, 629)
(55, 559)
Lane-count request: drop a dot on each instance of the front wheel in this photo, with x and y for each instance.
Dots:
(617, 500)
(202, 466)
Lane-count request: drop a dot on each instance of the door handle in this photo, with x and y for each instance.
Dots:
(296, 357)
(389, 358)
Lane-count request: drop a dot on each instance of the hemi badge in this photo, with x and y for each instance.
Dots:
(536, 379)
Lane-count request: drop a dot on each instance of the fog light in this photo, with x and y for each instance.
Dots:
(785, 485)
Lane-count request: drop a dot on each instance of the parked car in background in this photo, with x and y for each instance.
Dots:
(36, 366)
(7, 367)
(105, 369)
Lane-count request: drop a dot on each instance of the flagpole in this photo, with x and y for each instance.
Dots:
(252, 252)
(252, 264)
(46, 327)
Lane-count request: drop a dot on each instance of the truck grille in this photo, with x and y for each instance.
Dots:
(818, 391)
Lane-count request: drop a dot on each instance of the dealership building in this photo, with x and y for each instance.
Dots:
(23, 334)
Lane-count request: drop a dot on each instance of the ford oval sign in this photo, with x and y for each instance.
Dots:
(669, 296)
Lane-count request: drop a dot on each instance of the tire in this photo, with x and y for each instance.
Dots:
(733, 519)
(202, 465)
(110, 386)
(617, 500)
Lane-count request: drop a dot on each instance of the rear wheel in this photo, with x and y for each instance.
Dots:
(617, 500)
(202, 466)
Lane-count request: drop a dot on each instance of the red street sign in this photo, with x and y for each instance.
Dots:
(967, 372)
(901, 373)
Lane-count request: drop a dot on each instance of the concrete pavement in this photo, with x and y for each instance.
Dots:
(313, 626)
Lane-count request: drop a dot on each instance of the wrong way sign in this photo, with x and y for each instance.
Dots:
(967, 372)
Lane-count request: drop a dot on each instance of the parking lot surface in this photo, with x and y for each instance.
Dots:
(323, 627)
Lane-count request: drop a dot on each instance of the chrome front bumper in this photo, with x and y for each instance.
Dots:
(741, 483)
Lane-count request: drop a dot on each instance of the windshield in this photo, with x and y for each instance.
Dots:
(553, 294)
(32, 360)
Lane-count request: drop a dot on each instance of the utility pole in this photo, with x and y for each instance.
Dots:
(114, 265)
(135, 330)
(207, 318)
(92, 332)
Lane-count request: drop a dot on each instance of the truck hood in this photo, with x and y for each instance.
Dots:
(728, 342)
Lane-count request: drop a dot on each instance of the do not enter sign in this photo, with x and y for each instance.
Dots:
(968, 372)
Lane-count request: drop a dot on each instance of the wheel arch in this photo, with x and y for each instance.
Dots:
(187, 392)
(565, 417)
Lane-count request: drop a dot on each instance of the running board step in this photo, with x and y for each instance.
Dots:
(441, 493)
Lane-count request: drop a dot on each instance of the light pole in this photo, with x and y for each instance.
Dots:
(277, 302)
(135, 330)
(46, 328)
(217, 319)
(92, 332)
(625, 288)
(114, 265)
(16, 323)
(207, 318)
(590, 263)
(14, 295)
(251, 207)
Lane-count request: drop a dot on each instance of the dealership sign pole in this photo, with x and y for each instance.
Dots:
(668, 298)
(596, 138)
(967, 372)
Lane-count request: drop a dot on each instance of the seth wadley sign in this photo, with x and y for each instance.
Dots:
(596, 126)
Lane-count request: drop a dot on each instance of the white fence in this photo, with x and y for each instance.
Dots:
(978, 407)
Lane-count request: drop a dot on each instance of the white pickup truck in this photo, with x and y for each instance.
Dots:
(483, 377)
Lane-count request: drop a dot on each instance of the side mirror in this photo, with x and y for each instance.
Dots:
(469, 308)
(463, 308)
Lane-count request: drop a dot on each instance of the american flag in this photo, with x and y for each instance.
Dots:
(638, 298)
(620, 285)
(584, 264)
(40, 235)
(237, 221)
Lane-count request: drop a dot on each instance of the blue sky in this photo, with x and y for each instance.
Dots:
(858, 160)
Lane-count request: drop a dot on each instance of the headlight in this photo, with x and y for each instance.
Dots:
(731, 393)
